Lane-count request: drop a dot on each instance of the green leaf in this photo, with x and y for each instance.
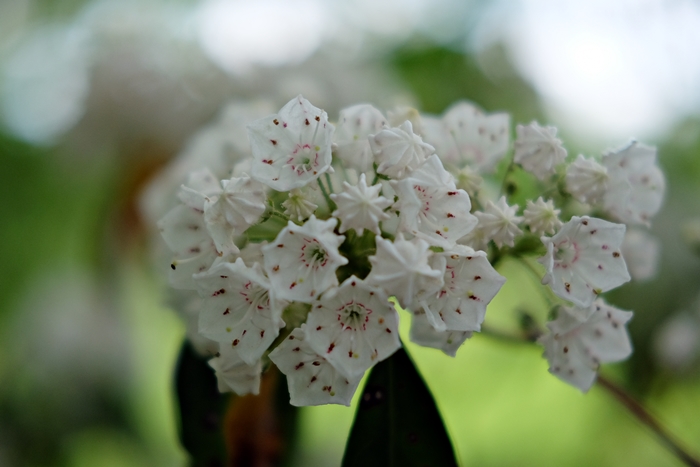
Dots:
(202, 410)
(397, 422)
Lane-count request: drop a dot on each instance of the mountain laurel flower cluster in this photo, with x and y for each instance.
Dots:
(307, 252)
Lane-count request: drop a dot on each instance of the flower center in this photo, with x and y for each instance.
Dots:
(354, 316)
(313, 254)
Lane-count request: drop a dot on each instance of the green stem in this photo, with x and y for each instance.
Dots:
(329, 201)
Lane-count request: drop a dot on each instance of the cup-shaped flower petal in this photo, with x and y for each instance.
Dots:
(238, 308)
(637, 185)
(233, 374)
(353, 327)
(399, 150)
(360, 207)
(184, 230)
(431, 207)
(200, 185)
(538, 149)
(469, 137)
(355, 125)
(583, 259)
(292, 148)
(402, 268)
(242, 201)
(302, 261)
(470, 283)
(499, 223)
(310, 378)
(575, 347)
(423, 333)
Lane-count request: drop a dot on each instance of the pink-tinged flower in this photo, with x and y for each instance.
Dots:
(398, 150)
(402, 268)
(583, 259)
(311, 379)
(423, 333)
(354, 327)
(239, 309)
(292, 148)
(233, 374)
(576, 346)
(538, 149)
(467, 136)
(431, 207)
(360, 207)
(355, 125)
(470, 283)
(302, 261)
(636, 188)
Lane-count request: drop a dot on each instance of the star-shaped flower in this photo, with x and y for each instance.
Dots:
(298, 205)
(576, 347)
(355, 125)
(239, 308)
(311, 379)
(499, 222)
(470, 283)
(399, 150)
(402, 269)
(353, 327)
(292, 148)
(431, 207)
(583, 259)
(302, 261)
(360, 207)
(541, 217)
(586, 179)
(538, 149)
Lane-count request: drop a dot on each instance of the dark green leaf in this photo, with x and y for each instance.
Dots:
(202, 410)
(397, 422)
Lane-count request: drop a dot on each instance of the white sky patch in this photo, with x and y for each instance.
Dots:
(613, 69)
(237, 34)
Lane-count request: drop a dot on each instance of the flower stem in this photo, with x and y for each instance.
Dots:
(643, 415)
(329, 201)
(631, 404)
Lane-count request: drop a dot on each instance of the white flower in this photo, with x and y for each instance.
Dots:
(355, 125)
(431, 207)
(298, 206)
(467, 136)
(233, 374)
(401, 269)
(538, 149)
(583, 259)
(310, 378)
(541, 217)
(423, 333)
(360, 207)
(185, 232)
(641, 251)
(586, 180)
(399, 150)
(499, 222)
(200, 185)
(239, 310)
(242, 201)
(637, 185)
(292, 148)
(470, 283)
(400, 114)
(575, 348)
(302, 261)
(469, 180)
(353, 327)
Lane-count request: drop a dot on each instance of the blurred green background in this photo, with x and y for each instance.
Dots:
(87, 345)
